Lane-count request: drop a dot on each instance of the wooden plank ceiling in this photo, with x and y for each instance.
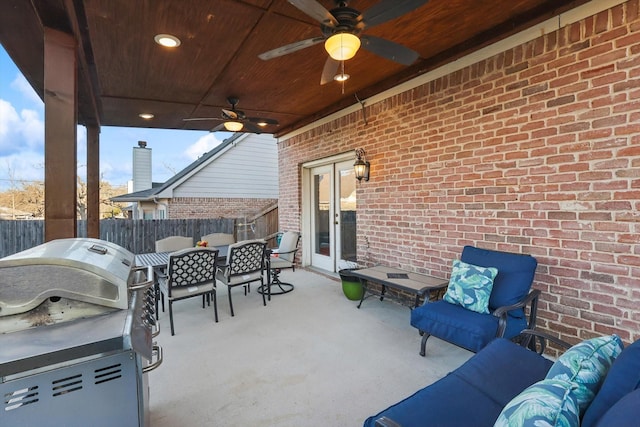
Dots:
(123, 72)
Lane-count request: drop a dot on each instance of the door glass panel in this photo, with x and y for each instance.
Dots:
(348, 214)
(322, 220)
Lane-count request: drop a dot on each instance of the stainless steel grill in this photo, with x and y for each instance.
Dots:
(76, 331)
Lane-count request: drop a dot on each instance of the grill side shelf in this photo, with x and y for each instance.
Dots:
(61, 344)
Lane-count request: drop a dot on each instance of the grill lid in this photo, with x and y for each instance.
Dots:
(89, 270)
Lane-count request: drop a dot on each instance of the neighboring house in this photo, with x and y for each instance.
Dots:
(237, 178)
(9, 213)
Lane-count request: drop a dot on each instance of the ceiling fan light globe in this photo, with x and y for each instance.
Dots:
(233, 126)
(342, 46)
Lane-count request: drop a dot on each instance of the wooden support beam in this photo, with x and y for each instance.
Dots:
(93, 181)
(60, 147)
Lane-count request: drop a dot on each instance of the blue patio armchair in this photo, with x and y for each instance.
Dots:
(506, 315)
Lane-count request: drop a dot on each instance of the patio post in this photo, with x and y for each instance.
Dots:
(93, 181)
(60, 107)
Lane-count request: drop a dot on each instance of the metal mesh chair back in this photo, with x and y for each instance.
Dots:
(192, 267)
(246, 257)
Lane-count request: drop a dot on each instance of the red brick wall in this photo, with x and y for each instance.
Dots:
(534, 150)
(191, 207)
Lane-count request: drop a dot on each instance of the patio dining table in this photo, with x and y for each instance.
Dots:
(161, 259)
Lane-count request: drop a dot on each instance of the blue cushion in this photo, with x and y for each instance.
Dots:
(515, 273)
(626, 412)
(473, 394)
(547, 403)
(449, 401)
(585, 365)
(503, 369)
(622, 379)
(460, 326)
(470, 286)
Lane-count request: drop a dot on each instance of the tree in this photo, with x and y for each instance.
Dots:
(29, 197)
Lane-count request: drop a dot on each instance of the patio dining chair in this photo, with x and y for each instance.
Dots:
(190, 273)
(245, 264)
(284, 256)
(168, 244)
(173, 243)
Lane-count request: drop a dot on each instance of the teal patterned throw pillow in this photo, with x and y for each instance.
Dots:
(586, 365)
(470, 286)
(547, 403)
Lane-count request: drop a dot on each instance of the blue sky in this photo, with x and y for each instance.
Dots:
(22, 139)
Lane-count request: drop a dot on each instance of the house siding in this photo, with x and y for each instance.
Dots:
(237, 173)
(534, 150)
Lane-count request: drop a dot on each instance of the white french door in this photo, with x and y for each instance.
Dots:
(332, 188)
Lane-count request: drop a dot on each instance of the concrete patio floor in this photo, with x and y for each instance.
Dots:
(309, 358)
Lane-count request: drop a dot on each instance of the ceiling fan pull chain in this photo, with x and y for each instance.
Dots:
(364, 112)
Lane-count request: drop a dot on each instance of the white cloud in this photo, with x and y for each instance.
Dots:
(8, 117)
(32, 128)
(22, 85)
(202, 145)
(19, 131)
(24, 167)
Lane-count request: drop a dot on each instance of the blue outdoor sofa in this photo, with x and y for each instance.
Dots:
(476, 393)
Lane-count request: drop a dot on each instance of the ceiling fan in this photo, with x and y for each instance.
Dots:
(341, 28)
(236, 121)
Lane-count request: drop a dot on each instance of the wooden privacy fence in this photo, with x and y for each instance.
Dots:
(137, 236)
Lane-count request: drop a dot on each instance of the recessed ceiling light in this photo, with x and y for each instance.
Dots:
(341, 77)
(167, 40)
(146, 116)
(263, 124)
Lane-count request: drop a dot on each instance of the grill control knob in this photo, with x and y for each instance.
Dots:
(150, 301)
(148, 317)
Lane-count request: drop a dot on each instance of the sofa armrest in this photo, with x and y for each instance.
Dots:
(502, 312)
(386, 422)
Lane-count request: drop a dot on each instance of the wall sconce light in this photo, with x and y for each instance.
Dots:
(361, 166)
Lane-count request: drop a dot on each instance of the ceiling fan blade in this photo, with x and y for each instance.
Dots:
(329, 71)
(316, 11)
(386, 10)
(217, 128)
(389, 50)
(293, 47)
(259, 120)
(249, 127)
(231, 114)
(195, 119)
